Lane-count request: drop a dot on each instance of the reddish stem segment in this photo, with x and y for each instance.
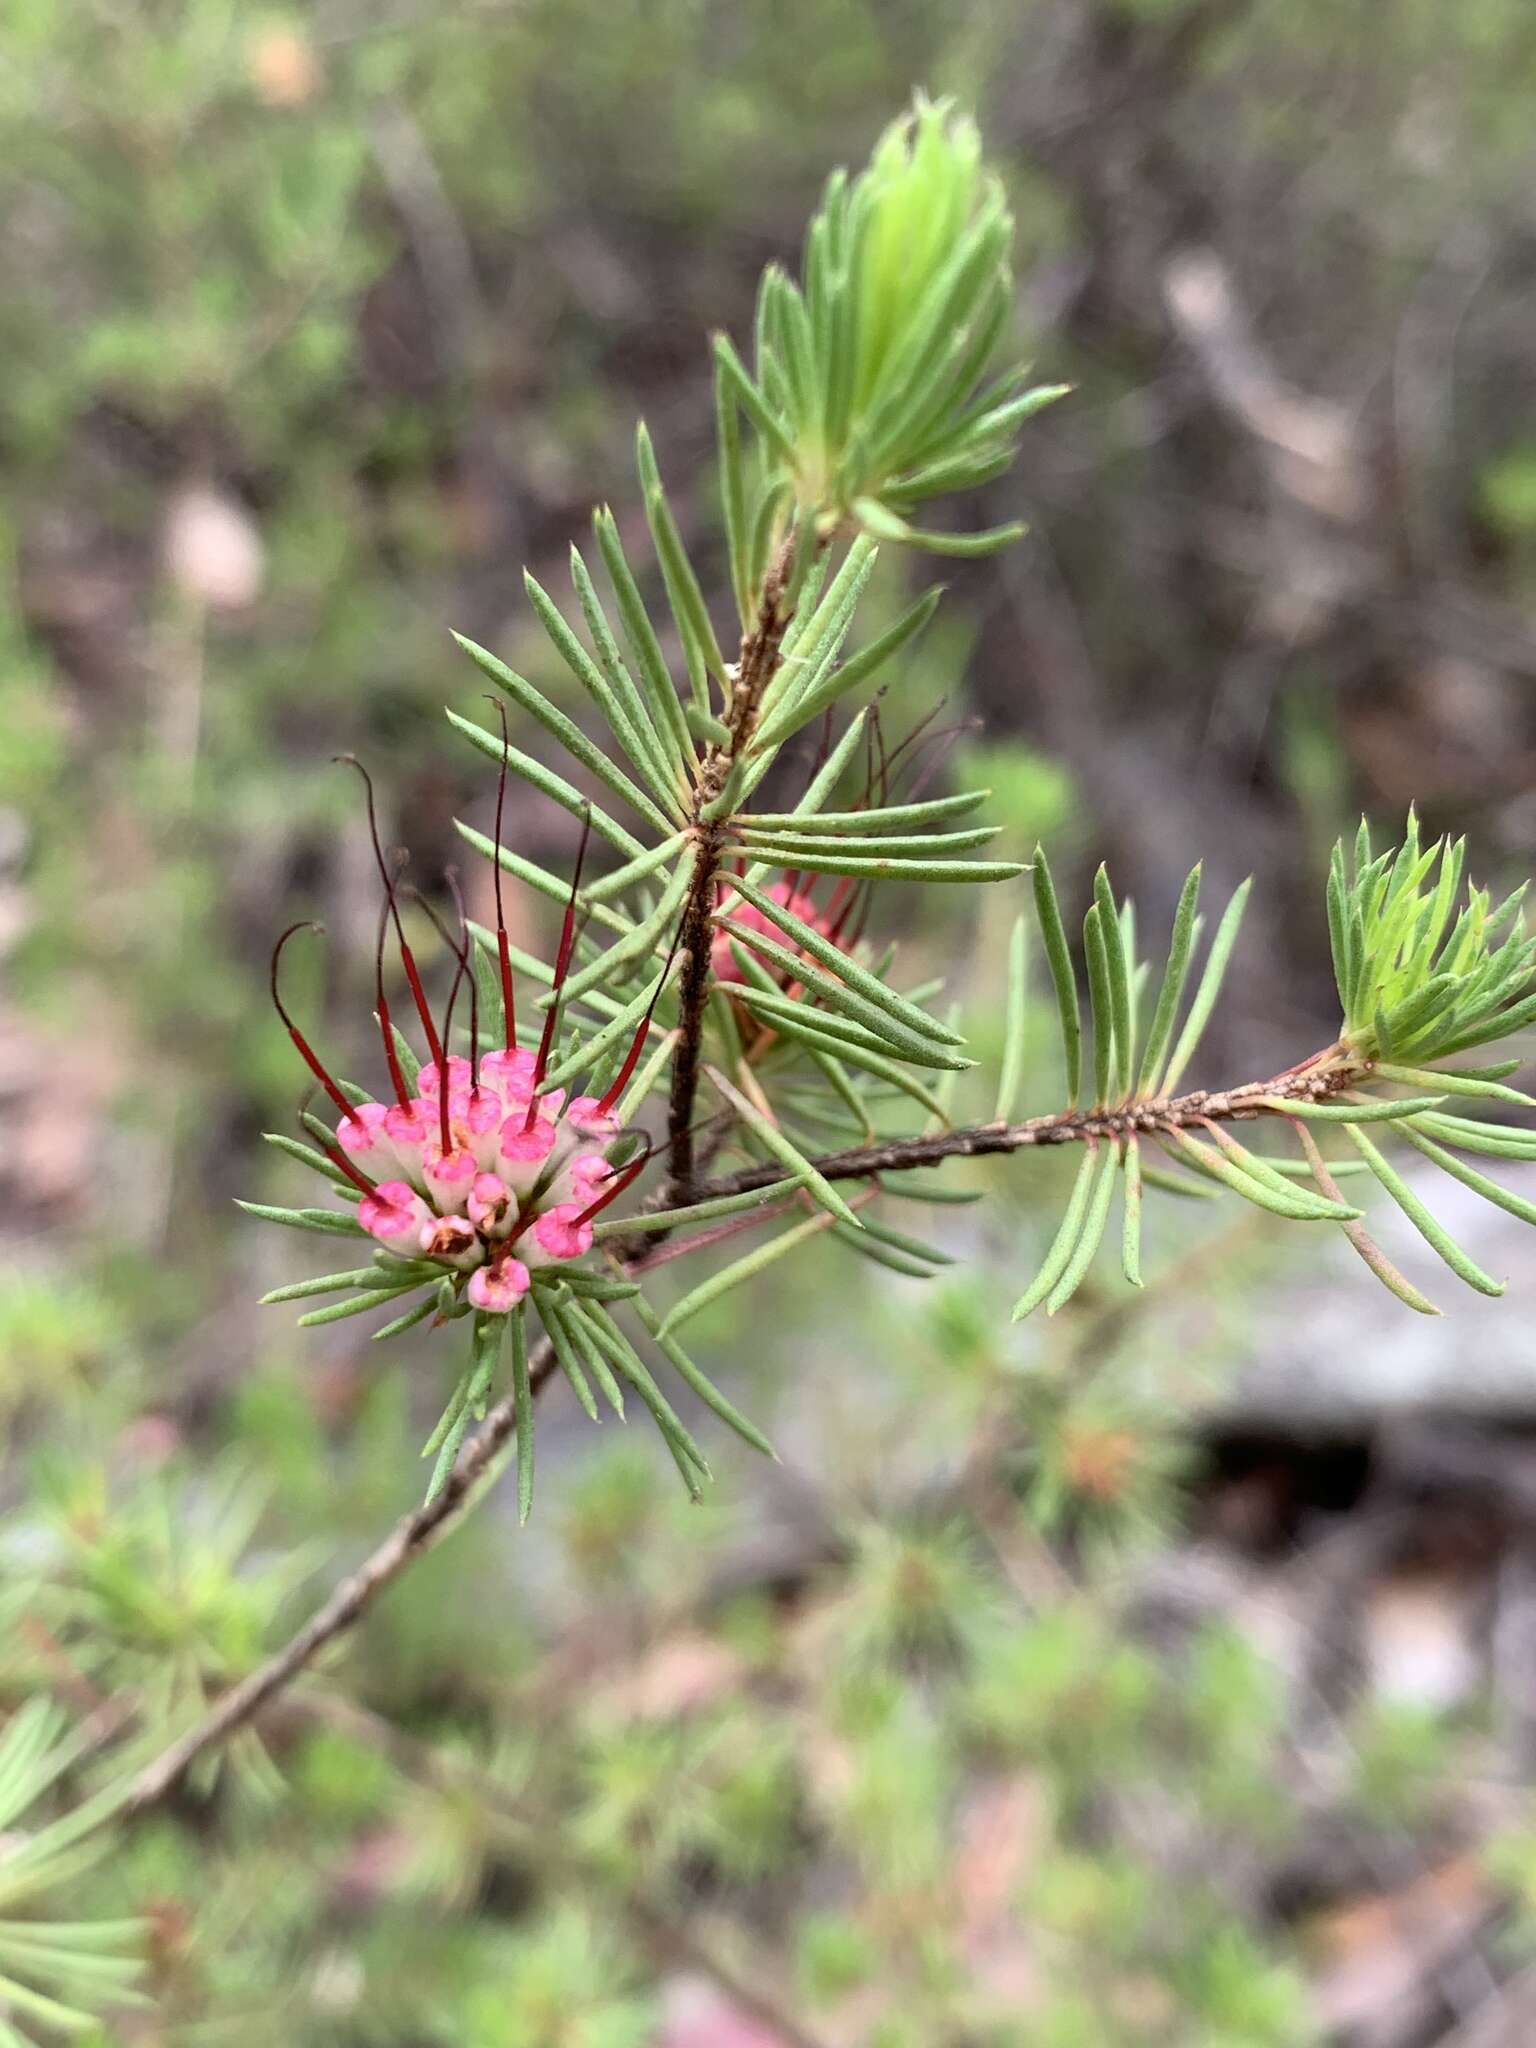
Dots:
(407, 958)
(631, 1058)
(459, 948)
(306, 1051)
(562, 968)
(386, 1026)
(451, 877)
(504, 956)
(620, 1181)
(344, 1166)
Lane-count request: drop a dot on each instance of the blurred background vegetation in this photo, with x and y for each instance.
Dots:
(1133, 1681)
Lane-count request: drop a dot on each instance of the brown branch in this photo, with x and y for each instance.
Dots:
(1316, 1079)
(756, 665)
(409, 1539)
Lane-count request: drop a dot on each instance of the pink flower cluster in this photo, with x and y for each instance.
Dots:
(515, 1186)
(482, 1170)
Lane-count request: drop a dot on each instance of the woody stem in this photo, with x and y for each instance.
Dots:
(756, 666)
(1319, 1079)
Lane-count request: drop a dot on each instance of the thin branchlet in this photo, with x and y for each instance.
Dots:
(1323, 1077)
(756, 665)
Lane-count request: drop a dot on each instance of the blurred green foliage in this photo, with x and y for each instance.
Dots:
(331, 317)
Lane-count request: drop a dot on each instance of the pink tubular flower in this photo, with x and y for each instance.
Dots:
(523, 1150)
(458, 1076)
(561, 1233)
(586, 1114)
(582, 1176)
(394, 1213)
(454, 1239)
(511, 1072)
(490, 1204)
(499, 1287)
(448, 1176)
(362, 1136)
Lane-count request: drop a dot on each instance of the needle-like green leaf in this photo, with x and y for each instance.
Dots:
(568, 734)
(1296, 1204)
(1100, 1003)
(359, 1304)
(1480, 1184)
(878, 819)
(1095, 1222)
(1130, 1235)
(846, 969)
(1362, 1112)
(683, 591)
(1433, 1232)
(327, 1221)
(1206, 993)
(1015, 1022)
(589, 1052)
(522, 1395)
(1186, 926)
(1048, 910)
(879, 868)
(1369, 1250)
(635, 734)
(654, 676)
(1120, 967)
(897, 1037)
(1065, 1241)
(817, 1186)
